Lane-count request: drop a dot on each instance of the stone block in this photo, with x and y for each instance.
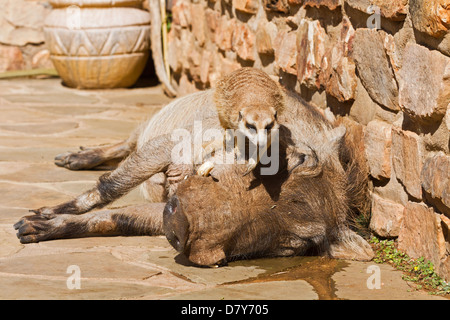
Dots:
(181, 13)
(265, 37)
(11, 58)
(311, 41)
(174, 45)
(374, 68)
(421, 233)
(430, 16)
(212, 19)
(435, 177)
(247, 6)
(199, 27)
(276, 5)
(21, 22)
(205, 66)
(330, 4)
(224, 33)
(424, 83)
(363, 109)
(285, 46)
(243, 42)
(386, 217)
(391, 9)
(339, 70)
(378, 143)
(407, 160)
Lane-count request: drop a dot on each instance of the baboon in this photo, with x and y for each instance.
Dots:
(248, 101)
(307, 207)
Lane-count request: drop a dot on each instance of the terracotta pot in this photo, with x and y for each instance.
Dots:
(96, 44)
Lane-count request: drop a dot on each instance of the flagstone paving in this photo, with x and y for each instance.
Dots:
(41, 118)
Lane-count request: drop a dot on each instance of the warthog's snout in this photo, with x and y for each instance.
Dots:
(176, 225)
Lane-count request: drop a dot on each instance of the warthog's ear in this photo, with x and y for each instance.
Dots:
(351, 246)
(203, 254)
(336, 136)
(330, 150)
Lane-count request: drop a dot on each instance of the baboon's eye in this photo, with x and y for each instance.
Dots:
(270, 126)
(250, 126)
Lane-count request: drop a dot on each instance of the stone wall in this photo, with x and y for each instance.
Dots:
(21, 35)
(385, 68)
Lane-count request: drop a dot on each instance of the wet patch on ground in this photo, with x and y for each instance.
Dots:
(317, 271)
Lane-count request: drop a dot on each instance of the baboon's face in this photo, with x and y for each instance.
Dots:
(257, 123)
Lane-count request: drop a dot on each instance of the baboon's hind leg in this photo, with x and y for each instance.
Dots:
(154, 157)
(145, 219)
(99, 157)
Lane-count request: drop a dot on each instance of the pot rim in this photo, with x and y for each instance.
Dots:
(96, 3)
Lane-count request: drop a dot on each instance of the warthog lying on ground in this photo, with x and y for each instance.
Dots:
(306, 208)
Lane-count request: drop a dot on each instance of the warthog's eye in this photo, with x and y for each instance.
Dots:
(250, 126)
(270, 126)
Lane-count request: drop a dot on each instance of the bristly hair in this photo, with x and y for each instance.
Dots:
(355, 164)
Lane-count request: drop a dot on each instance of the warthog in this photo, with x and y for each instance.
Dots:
(307, 207)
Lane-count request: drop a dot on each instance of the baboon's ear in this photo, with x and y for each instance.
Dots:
(240, 116)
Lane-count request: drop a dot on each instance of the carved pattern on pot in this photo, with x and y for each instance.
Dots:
(94, 48)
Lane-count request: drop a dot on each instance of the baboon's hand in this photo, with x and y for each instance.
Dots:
(205, 169)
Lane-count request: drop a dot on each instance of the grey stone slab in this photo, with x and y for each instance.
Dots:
(19, 115)
(66, 110)
(68, 142)
(95, 265)
(30, 154)
(10, 215)
(172, 261)
(54, 98)
(140, 99)
(357, 282)
(43, 173)
(28, 197)
(40, 129)
(34, 288)
(275, 290)
(104, 128)
(9, 244)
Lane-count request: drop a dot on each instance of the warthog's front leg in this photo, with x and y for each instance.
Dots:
(136, 220)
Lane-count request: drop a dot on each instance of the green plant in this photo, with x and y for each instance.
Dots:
(419, 271)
